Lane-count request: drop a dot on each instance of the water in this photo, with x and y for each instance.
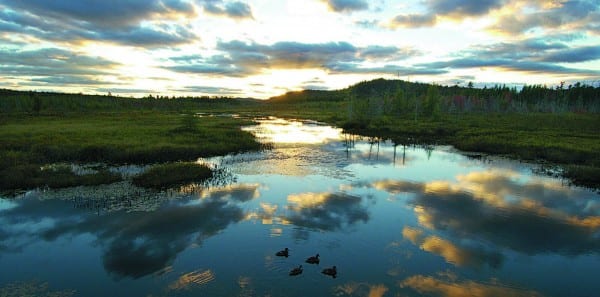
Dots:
(396, 221)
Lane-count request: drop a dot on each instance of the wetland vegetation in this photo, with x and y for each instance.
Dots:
(556, 126)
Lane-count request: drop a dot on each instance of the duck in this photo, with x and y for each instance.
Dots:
(296, 270)
(313, 259)
(283, 253)
(330, 271)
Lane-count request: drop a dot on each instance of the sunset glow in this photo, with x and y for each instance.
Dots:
(261, 48)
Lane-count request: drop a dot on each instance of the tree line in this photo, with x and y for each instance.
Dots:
(391, 98)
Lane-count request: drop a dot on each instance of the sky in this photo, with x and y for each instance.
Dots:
(264, 48)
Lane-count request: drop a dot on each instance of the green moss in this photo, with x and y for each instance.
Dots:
(172, 174)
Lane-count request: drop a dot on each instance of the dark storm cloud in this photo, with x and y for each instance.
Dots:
(243, 59)
(346, 5)
(74, 22)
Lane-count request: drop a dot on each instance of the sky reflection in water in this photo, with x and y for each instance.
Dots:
(402, 220)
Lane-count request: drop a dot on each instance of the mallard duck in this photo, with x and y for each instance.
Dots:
(313, 260)
(296, 271)
(283, 253)
(330, 271)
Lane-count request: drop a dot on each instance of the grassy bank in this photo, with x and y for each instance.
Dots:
(116, 138)
(33, 176)
(172, 174)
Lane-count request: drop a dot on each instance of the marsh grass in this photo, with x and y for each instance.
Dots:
(24, 177)
(29, 142)
(134, 138)
(583, 175)
(172, 174)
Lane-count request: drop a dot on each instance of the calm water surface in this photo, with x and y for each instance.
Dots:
(396, 221)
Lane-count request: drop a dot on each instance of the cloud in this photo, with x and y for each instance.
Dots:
(413, 21)
(345, 68)
(454, 9)
(571, 16)
(573, 55)
(54, 66)
(463, 8)
(427, 285)
(235, 10)
(67, 80)
(133, 23)
(367, 24)
(387, 53)
(124, 91)
(240, 59)
(105, 13)
(534, 55)
(210, 90)
(346, 5)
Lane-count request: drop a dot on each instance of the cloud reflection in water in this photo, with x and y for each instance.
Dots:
(326, 211)
(496, 207)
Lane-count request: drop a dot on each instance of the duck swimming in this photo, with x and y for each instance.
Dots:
(296, 271)
(283, 253)
(330, 271)
(313, 259)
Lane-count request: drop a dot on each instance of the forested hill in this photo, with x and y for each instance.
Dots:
(398, 96)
